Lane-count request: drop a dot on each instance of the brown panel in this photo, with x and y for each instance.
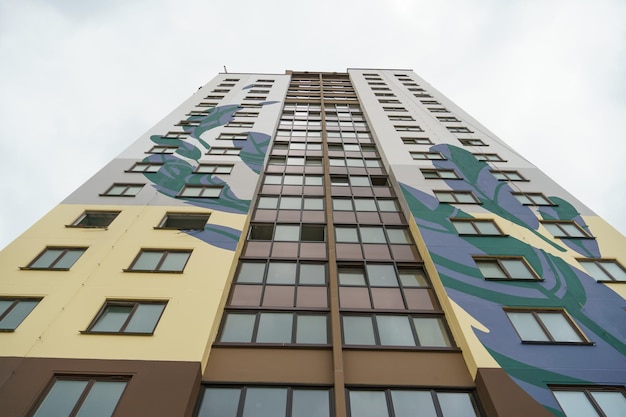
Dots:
(313, 217)
(502, 397)
(362, 191)
(349, 251)
(311, 250)
(154, 389)
(404, 253)
(344, 217)
(289, 216)
(354, 297)
(368, 217)
(278, 296)
(390, 298)
(392, 218)
(265, 215)
(357, 171)
(311, 366)
(246, 295)
(258, 249)
(271, 189)
(285, 250)
(312, 297)
(418, 299)
(428, 368)
(376, 251)
(383, 192)
(341, 191)
(311, 190)
(292, 190)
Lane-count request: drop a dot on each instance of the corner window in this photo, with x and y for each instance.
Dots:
(459, 197)
(408, 129)
(440, 174)
(505, 268)
(95, 219)
(127, 317)
(417, 141)
(123, 190)
(472, 142)
(604, 269)
(268, 401)
(14, 310)
(163, 149)
(565, 229)
(82, 396)
(403, 403)
(160, 261)
(200, 191)
(458, 129)
(184, 221)
(591, 401)
(145, 167)
(56, 258)
(275, 328)
(476, 227)
(508, 176)
(545, 326)
(488, 157)
(533, 199)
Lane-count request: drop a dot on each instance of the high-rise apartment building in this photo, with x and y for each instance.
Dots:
(315, 245)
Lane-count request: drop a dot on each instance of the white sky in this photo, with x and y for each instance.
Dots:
(81, 80)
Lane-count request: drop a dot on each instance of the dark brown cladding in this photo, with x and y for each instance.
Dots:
(155, 388)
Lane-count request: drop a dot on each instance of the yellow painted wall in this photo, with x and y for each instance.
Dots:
(73, 298)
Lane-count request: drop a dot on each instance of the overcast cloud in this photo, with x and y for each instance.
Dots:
(81, 80)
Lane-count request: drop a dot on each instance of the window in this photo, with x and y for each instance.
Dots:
(223, 151)
(505, 268)
(427, 155)
(288, 232)
(398, 109)
(402, 118)
(275, 328)
(184, 221)
(565, 229)
(533, 199)
(123, 190)
(443, 174)
(417, 141)
(452, 129)
(476, 227)
(127, 317)
(545, 326)
(56, 258)
(239, 124)
(83, 396)
(213, 169)
(461, 197)
(388, 101)
(394, 330)
(372, 234)
(472, 142)
(247, 114)
(438, 110)
(405, 403)
(200, 191)
(408, 129)
(14, 310)
(160, 261)
(365, 204)
(604, 269)
(430, 102)
(447, 119)
(163, 149)
(92, 219)
(176, 135)
(291, 203)
(488, 157)
(270, 401)
(145, 167)
(591, 401)
(508, 176)
(233, 136)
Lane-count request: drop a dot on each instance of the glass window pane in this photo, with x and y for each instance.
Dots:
(491, 269)
(431, 332)
(381, 275)
(311, 329)
(17, 314)
(413, 404)
(275, 328)
(365, 204)
(175, 261)
(575, 404)
(387, 205)
(559, 327)
(346, 234)
(238, 328)
(522, 198)
(595, 271)
(399, 236)
(293, 180)
(314, 203)
(287, 233)
(147, 261)
(316, 180)
(268, 202)
(517, 268)
(395, 331)
(572, 231)
(69, 258)
(351, 277)
(47, 258)
(527, 327)
(191, 191)
(487, 228)
(145, 318)
(464, 228)
(368, 404)
(273, 179)
(613, 404)
(445, 197)
(310, 403)
(222, 402)
(61, 399)
(412, 278)
(112, 319)
(313, 233)
(456, 404)
(290, 203)
(102, 399)
(372, 235)
(614, 269)
(312, 274)
(358, 330)
(265, 402)
(251, 272)
(342, 204)
(465, 198)
(359, 181)
(281, 273)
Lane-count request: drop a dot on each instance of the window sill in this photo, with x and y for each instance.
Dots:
(403, 348)
(254, 345)
(528, 342)
(72, 226)
(27, 268)
(152, 272)
(116, 333)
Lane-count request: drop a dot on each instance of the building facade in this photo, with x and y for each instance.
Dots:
(315, 245)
